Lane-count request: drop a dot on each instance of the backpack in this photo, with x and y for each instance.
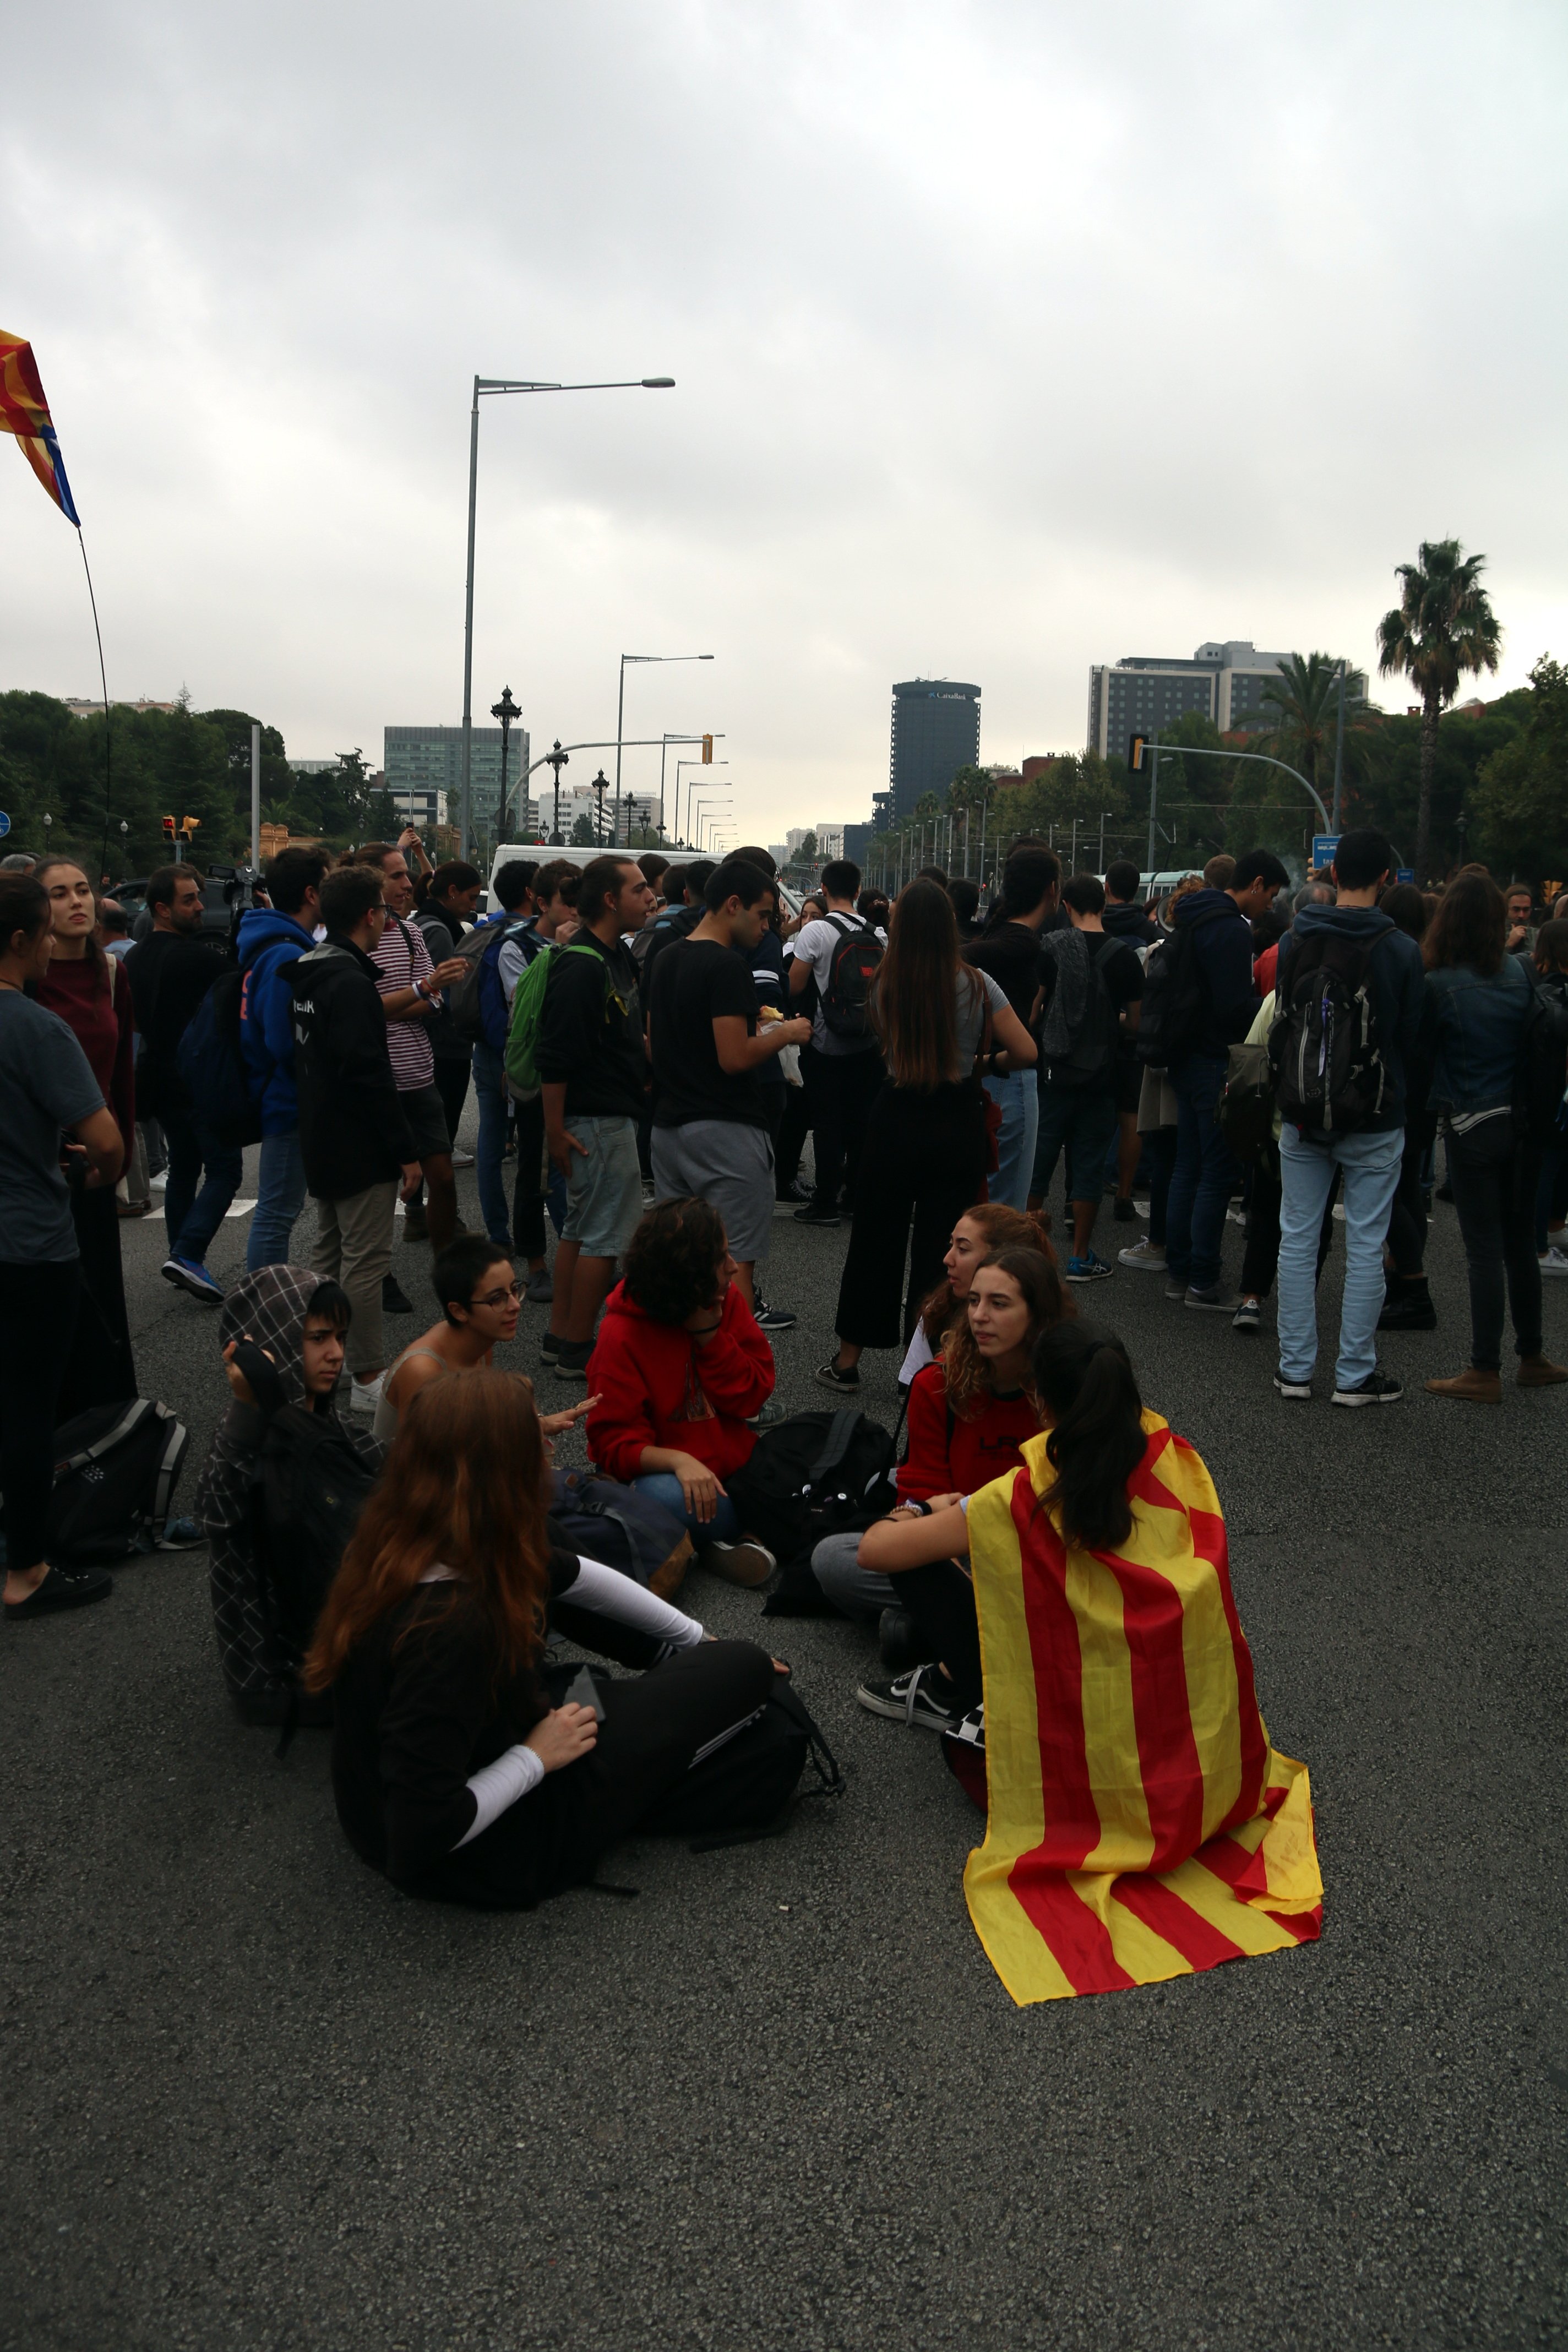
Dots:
(115, 1473)
(212, 1064)
(522, 1043)
(1328, 1071)
(852, 968)
(1175, 1002)
(743, 1785)
(1541, 1070)
(1246, 1110)
(812, 1476)
(314, 1483)
(622, 1529)
(476, 1004)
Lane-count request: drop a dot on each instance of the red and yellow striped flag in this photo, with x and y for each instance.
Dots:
(1139, 1824)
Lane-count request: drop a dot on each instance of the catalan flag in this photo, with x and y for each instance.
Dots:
(25, 412)
(1139, 1824)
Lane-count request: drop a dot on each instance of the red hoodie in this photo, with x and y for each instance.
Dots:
(951, 1453)
(652, 1380)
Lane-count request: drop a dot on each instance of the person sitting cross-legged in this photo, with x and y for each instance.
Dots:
(475, 1285)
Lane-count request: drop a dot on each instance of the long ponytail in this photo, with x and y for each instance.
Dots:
(1085, 1389)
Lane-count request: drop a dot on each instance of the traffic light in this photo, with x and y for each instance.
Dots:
(188, 825)
(169, 831)
(708, 750)
(1136, 747)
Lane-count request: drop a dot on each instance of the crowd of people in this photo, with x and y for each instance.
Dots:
(653, 1044)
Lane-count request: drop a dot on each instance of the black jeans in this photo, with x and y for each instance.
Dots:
(923, 1164)
(1494, 1180)
(100, 1368)
(939, 1597)
(452, 1085)
(1407, 1218)
(793, 1129)
(196, 1158)
(844, 1086)
(1160, 1150)
(527, 1191)
(37, 1328)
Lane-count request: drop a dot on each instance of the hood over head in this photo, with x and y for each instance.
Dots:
(1202, 905)
(270, 1306)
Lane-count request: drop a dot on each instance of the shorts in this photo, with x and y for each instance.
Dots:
(604, 1186)
(1084, 1119)
(728, 1165)
(426, 1114)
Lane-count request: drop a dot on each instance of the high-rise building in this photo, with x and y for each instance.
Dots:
(1143, 693)
(423, 761)
(936, 731)
(829, 843)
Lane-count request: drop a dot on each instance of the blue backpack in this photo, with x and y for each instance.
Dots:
(212, 1065)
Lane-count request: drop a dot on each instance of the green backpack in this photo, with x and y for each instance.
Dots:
(521, 1057)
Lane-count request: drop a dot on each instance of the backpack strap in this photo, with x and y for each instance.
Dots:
(134, 1411)
(840, 1436)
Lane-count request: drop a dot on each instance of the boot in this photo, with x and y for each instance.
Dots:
(1472, 1386)
(1407, 1304)
(1540, 1372)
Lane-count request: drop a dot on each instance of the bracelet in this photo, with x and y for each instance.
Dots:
(921, 1510)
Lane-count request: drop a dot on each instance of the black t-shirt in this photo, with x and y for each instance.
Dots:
(170, 974)
(1012, 956)
(1124, 976)
(696, 982)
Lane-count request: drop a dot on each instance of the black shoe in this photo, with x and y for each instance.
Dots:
(549, 1345)
(900, 1643)
(1377, 1388)
(1124, 1213)
(62, 1588)
(774, 1319)
(571, 1360)
(1408, 1307)
(1444, 1193)
(918, 1699)
(797, 1191)
(811, 1215)
(392, 1301)
(848, 1383)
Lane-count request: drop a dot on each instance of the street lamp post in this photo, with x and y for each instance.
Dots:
(1339, 744)
(555, 760)
(484, 384)
(690, 763)
(599, 787)
(506, 710)
(620, 715)
(699, 803)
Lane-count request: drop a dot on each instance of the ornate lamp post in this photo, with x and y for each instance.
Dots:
(599, 787)
(555, 760)
(506, 710)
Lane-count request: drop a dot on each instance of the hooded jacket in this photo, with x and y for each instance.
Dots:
(1222, 946)
(1125, 920)
(267, 945)
(269, 1306)
(1397, 980)
(657, 1387)
(352, 1132)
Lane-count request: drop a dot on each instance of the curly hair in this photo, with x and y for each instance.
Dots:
(673, 1261)
(967, 1374)
(1004, 1229)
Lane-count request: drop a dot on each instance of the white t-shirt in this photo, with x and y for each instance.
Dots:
(814, 944)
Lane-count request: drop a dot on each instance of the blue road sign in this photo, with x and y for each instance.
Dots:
(1323, 847)
(1404, 873)
(4, 825)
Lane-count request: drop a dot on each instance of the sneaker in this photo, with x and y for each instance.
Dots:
(1124, 1213)
(549, 1345)
(416, 1221)
(914, 1698)
(832, 1378)
(1300, 1389)
(1150, 1256)
(1088, 1268)
(540, 1289)
(1235, 1214)
(392, 1300)
(772, 1412)
(365, 1395)
(180, 1535)
(571, 1360)
(799, 1190)
(1249, 1316)
(188, 1273)
(811, 1215)
(1378, 1388)
(1141, 1208)
(745, 1563)
(1177, 1285)
(774, 1318)
(62, 1588)
(1216, 1300)
(462, 1159)
(1553, 1261)
(971, 1731)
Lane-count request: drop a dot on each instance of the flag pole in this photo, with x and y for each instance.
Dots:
(103, 681)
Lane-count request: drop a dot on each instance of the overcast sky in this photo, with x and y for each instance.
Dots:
(1008, 338)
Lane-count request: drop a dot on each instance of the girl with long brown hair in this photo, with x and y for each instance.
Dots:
(923, 1161)
(461, 1768)
(979, 1234)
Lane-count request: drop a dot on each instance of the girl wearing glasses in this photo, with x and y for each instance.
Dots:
(476, 1284)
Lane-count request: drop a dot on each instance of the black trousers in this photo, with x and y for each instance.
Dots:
(939, 1597)
(922, 1165)
(1260, 1259)
(101, 1369)
(528, 1191)
(652, 1731)
(1407, 1218)
(793, 1129)
(452, 1085)
(1494, 1180)
(37, 1331)
(844, 1086)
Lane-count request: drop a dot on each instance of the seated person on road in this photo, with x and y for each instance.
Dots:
(476, 1284)
(981, 1233)
(461, 1768)
(680, 1368)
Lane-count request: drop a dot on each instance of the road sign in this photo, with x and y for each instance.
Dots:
(1404, 873)
(1323, 847)
(4, 825)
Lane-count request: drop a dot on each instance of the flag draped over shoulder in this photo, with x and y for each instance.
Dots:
(1140, 1825)
(25, 412)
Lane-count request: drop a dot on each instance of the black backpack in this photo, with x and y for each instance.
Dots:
(745, 1786)
(1328, 1071)
(620, 1529)
(851, 970)
(1541, 1071)
(1094, 1047)
(812, 1476)
(212, 1064)
(1175, 1002)
(115, 1470)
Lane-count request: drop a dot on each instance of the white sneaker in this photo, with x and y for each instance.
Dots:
(365, 1395)
(1146, 1254)
(1553, 1261)
(462, 1159)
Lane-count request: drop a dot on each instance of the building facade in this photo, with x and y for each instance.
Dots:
(1143, 694)
(935, 731)
(423, 763)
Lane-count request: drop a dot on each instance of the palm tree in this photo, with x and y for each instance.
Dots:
(1302, 709)
(1442, 626)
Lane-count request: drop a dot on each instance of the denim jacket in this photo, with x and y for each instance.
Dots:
(1480, 1027)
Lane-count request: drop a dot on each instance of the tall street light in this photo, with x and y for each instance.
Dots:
(621, 708)
(681, 833)
(506, 711)
(484, 384)
(699, 804)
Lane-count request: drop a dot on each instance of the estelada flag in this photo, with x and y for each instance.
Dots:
(25, 412)
(1140, 1823)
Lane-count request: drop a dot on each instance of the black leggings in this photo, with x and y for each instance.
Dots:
(922, 1164)
(1407, 1218)
(37, 1328)
(101, 1369)
(452, 1086)
(1494, 1180)
(940, 1599)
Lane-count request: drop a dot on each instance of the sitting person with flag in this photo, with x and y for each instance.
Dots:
(1139, 1824)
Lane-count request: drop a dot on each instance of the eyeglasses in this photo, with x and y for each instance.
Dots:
(497, 1297)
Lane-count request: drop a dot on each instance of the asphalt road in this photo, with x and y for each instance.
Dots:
(251, 2097)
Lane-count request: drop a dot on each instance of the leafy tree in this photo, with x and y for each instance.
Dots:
(1442, 628)
(807, 853)
(583, 831)
(1521, 801)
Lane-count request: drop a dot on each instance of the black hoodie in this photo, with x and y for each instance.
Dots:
(353, 1133)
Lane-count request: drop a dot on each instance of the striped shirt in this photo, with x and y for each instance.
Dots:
(402, 958)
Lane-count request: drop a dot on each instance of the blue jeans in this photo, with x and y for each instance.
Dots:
(490, 1085)
(1019, 1096)
(662, 1487)
(1201, 1181)
(280, 1197)
(1370, 1165)
(193, 1216)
